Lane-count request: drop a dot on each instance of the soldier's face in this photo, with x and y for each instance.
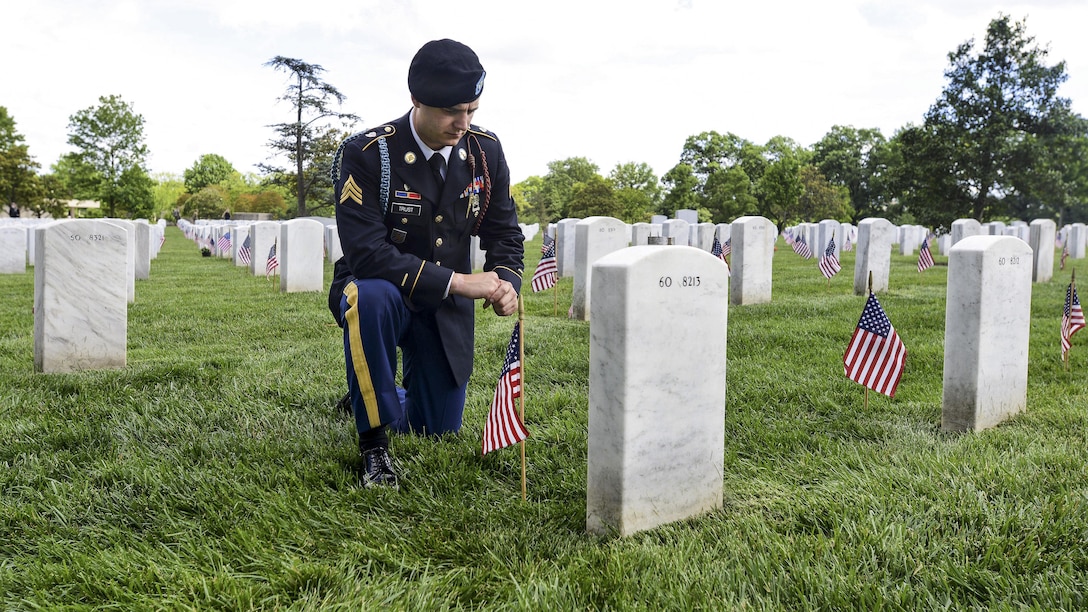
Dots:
(441, 127)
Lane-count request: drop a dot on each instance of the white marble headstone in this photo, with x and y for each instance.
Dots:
(1077, 236)
(238, 237)
(656, 400)
(752, 247)
(595, 237)
(640, 232)
(564, 247)
(264, 234)
(301, 256)
(987, 323)
(689, 215)
(12, 249)
(143, 249)
(80, 296)
(1041, 234)
(130, 255)
(873, 254)
(962, 228)
(677, 229)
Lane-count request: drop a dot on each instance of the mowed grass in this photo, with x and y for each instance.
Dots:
(213, 471)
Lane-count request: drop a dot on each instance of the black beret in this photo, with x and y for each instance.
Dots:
(445, 73)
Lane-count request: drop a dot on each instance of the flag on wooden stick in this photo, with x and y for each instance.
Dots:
(503, 426)
(1072, 318)
(546, 273)
(829, 263)
(875, 356)
(272, 263)
(925, 257)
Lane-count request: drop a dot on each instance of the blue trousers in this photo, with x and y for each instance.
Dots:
(377, 321)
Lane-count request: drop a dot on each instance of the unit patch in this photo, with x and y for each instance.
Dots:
(402, 208)
(398, 236)
(351, 191)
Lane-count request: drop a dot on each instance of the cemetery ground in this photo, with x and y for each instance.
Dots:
(213, 471)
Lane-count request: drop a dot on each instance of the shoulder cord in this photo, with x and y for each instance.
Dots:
(487, 181)
(383, 151)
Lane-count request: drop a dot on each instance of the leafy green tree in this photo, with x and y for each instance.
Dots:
(637, 190)
(996, 121)
(820, 199)
(306, 141)
(109, 138)
(210, 169)
(683, 190)
(593, 197)
(18, 171)
(560, 181)
(165, 190)
(729, 194)
(854, 158)
(779, 190)
(208, 203)
(531, 205)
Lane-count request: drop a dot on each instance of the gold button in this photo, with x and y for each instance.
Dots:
(403, 220)
(438, 242)
(438, 219)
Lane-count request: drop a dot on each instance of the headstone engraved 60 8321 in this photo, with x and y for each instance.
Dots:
(656, 399)
(987, 320)
(80, 296)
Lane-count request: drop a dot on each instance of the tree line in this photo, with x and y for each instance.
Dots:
(998, 143)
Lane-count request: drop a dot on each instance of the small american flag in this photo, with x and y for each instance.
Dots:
(224, 243)
(847, 245)
(925, 257)
(272, 263)
(801, 248)
(243, 252)
(787, 235)
(829, 264)
(875, 356)
(1072, 317)
(162, 238)
(718, 251)
(546, 273)
(1065, 255)
(503, 426)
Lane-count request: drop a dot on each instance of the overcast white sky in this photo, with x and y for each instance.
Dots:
(610, 80)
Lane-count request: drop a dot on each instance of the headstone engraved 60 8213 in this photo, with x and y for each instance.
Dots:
(656, 400)
(80, 296)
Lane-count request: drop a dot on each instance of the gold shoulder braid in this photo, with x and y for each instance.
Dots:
(487, 180)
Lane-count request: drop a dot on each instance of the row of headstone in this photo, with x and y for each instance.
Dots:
(657, 401)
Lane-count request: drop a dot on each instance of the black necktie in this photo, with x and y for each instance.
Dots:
(438, 165)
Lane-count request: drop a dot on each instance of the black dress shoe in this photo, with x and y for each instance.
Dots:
(378, 468)
(344, 405)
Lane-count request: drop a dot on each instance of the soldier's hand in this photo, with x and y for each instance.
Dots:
(490, 288)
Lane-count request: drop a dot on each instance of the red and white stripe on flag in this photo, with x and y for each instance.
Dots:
(503, 426)
(875, 356)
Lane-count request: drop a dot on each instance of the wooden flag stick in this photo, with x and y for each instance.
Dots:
(870, 293)
(555, 295)
(521, 398)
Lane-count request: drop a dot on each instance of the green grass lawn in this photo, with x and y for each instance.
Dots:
(214, 473)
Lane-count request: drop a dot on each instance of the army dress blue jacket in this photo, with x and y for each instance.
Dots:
(396, 223)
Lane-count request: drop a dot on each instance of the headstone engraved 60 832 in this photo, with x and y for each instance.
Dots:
(987, 320)
(80, 296)
(656, 387)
